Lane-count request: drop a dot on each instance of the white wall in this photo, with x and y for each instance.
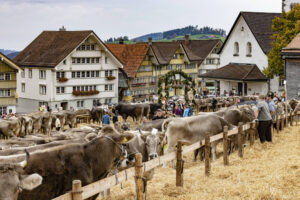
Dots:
(243, 37)
(288, 3)
(253, 87)
(32, 90)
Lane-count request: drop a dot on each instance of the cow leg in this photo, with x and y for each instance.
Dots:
(201, 153)
(196, 152)
(213, 150)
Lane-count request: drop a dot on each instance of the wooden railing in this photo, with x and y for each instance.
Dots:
(79, 193)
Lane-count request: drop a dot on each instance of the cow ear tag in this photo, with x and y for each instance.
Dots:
(125, 139)
(154, 131)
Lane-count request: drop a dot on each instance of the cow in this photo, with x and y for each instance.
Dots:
(58, 166)
(133, 110)
(85, 112)
(13, 179)
(70, 118)
(153, 108)
(11, 127)
(148, 126)
(192, 129)
(46, 122)
(97, 114)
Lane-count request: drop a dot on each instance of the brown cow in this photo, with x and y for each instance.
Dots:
(60, 165)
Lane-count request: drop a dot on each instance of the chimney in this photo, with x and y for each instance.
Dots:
(121, 41)
(62, 28)
(150, 40)
(187, 39)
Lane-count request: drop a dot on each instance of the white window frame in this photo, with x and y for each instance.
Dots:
(29, 73)
(23, 87)
(43, 89)
(42, 74)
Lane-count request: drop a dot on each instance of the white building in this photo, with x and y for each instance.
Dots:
(249, 42)
(288, 5)
(66, 69)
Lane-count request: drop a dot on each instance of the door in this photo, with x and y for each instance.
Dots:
(240, 89)
(245, 89)
(64, 105)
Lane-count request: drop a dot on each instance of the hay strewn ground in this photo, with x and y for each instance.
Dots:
(267, 172)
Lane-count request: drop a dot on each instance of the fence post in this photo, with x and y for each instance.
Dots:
(76, 190)
(277, 122)
(179, 166)
(287, 119)
(291, 119)
(240, 137)
(207, 107)
(296, 114)
(139, 184)
(282, 122)
(207, 153)
(252, 133)
(225, 145)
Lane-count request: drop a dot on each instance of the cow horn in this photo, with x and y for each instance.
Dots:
(24, 162)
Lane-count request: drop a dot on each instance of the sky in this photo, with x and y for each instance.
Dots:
(21, 21)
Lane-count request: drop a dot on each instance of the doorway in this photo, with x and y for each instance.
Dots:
(240, 89)
(64, 105)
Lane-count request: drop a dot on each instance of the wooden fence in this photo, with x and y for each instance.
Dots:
(79, 193)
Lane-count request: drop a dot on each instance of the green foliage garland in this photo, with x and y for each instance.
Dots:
(169, 81)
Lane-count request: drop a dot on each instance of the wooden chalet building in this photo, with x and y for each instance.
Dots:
(8, 85)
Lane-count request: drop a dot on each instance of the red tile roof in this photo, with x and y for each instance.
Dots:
(131, 56)
(50, 48)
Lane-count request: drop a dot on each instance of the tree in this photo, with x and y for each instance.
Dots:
(285, 28)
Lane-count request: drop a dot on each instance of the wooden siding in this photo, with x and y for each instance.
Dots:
(10, 84)
(293, 79)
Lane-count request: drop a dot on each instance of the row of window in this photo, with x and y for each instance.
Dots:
(5, 76)
(86, 60)
(80, 104)
(212, 61)
(83, 88)
(86, 47)
(85, 74)
(237, 49)
(5, 93)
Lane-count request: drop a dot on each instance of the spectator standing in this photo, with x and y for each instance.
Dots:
(186, 112)
(115, 117)
(106, 119)
(265, 120)
(57, 124)
(214, 104)
(159, 115)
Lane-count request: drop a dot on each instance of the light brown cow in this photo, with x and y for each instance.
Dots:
(192, 129)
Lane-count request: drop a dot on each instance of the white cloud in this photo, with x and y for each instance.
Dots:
(25, 19)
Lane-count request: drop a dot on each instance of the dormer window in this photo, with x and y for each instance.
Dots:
(236, 49)
(249, 49)
(83, 47)
(92, 47)
(64, 62)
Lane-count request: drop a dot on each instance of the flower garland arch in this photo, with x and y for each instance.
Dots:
(171, 80)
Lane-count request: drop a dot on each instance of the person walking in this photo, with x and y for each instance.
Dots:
(106, 119)
(264, 119)
(57, 124)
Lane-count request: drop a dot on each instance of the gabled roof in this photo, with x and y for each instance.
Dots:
(9, 62)
(198, 50)
(293, 48)
(50, 48)
(164, 51)
(131, 55)
(260, 24)
(237, 71)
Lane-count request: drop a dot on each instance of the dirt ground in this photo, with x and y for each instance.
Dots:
(267, 172)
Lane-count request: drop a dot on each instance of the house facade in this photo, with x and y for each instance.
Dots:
(249, 42)
(67, 69)
(8, 85)
(288, 5)
(291, 55)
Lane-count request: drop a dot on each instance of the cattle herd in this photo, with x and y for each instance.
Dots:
(37, 162)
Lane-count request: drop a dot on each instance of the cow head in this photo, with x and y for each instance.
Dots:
(13, 180)
(153, 144)
(248, 114)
